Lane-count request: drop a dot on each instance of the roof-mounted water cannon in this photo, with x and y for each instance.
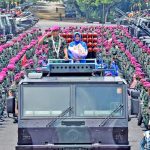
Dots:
(61, 66)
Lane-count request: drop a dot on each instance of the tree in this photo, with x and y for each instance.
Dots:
(107, 5)
(139, 4)
(7, 3)
(102, 6)
(87, 5)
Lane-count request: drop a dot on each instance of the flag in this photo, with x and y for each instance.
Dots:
(24, 60)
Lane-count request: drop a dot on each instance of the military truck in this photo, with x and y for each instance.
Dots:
(145, 40)
(2, 32)
(140, 27)
(7, 26)
(72, 106)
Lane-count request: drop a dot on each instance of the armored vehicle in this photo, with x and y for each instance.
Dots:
(72, 106)
(140, 27)
(7, 26)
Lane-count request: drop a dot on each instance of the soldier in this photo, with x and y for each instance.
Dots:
(134, 82)
(147, 64)
(114, 50)
(2, 96)
(145, 97)
(12, 93)
(57, 44)
(11, 68)
(56, 9)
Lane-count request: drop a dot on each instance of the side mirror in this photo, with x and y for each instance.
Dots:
(135, 104)
(135, 94)
(129, 92)
(10, 105)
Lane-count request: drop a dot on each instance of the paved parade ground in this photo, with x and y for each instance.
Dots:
(44, 24)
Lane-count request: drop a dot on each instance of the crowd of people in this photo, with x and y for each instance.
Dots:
(11, 67)
(112, 45)
(115, 46)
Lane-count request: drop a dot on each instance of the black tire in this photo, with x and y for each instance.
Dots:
(140, 119)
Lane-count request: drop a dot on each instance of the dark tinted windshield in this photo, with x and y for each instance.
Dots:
(89, 100)
(98, 100)
(45, 101)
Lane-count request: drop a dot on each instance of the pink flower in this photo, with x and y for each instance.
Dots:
(5, 69)
(11, 66)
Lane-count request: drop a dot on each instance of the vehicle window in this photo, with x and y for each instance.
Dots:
(98, 100)
(45, 101)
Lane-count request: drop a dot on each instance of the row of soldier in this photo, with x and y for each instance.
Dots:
(138, 74)
(112, 43)
(132, 57)
(11, 67)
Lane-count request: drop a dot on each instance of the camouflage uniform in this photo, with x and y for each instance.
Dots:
(145, 108)
(51, 53)
(14, 89)
(2, 98)
(113, 51)
(147, 65)
(29, 38)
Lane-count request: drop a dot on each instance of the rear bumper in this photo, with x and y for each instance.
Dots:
(73, 147)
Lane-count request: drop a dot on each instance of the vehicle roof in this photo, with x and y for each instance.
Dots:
(105, 79)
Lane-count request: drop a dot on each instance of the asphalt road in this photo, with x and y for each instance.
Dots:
(8, 135)
(8, 130)
(44, 24)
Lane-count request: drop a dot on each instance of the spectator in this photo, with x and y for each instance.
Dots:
(56, 10)
(77, 49)
(60, 16)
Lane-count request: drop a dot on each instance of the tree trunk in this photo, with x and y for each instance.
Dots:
(107, 12)
(103, 13)
(87, 14)
(78, 8)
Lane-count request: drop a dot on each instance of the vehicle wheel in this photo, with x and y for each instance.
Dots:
(140, 118)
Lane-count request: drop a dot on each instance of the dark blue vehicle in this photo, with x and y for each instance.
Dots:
(70, 106)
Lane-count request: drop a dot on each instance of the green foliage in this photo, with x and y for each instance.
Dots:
(96, 8)
(8, 1)
(104, 2)
(102, 8)
(95, 2)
